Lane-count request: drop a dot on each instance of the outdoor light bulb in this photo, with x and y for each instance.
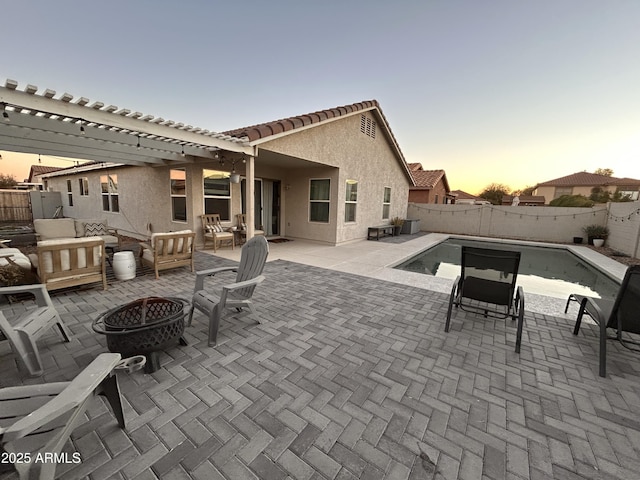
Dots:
(82, 129)
(5, 115)
(182, 153)
(138, 146)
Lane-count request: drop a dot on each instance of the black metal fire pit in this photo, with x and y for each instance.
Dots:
(144, 327)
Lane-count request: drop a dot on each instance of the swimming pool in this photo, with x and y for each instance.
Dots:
(553, 272)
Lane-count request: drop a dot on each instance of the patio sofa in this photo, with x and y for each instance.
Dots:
(67, 228)
(68, 262)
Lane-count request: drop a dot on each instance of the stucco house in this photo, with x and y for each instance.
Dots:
(584, 183)
(431, 186)
(325, 176)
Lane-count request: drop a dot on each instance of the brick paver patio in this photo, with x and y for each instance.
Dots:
(350, 378)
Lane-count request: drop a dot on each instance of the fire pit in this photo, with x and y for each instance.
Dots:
(143, 327)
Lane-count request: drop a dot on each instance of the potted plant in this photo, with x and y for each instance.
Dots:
(596, 234)
(397, 223)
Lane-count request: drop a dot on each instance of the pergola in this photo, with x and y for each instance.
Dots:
(35, 122)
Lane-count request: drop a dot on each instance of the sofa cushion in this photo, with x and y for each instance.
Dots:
(47, 257)
(81, 222)
(52, 228)
(16, 256)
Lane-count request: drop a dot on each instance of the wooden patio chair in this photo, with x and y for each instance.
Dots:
(215, 232)
(168, 250)
(23, 331)
(237, 295)
(37, 420)
(621, 314)
(241, 220)
(488, 279)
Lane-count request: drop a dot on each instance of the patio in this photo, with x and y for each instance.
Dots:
(350, 376)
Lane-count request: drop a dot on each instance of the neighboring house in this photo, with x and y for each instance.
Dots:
(431, 186)
(325, 176)
(463, 198)
(523, 200)
(584, 183)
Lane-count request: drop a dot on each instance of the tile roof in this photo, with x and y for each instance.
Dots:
(415, 166)
(588, 179)
(41, 169)
(462, 195)
(262, 130)
(426, 179)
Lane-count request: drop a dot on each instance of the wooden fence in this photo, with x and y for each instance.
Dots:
(15, 207)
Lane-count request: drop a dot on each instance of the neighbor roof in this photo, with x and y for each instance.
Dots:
(428, 179)
(588, 179)
(41, 169)
(462, 195)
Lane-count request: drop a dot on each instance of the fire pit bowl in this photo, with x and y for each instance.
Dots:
(143, 327)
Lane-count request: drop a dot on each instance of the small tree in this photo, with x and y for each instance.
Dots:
(607, 172)
(7, 181)
(494, 193)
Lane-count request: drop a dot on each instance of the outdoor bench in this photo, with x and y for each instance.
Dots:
(380, 231)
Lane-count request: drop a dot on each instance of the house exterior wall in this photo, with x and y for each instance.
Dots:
(549, 193)
(353, 156)
(340, 151)
(434, 195)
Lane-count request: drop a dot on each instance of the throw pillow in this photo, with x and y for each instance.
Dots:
(218, 228)
(95, 229)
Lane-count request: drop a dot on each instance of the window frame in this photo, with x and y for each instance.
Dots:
(176, 196)
(69, 193)
(228, 198)
(111, 194)
(83, 184)
(350, 202)
(317, 201)
(386, 204)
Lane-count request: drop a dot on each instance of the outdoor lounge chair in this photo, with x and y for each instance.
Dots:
(489, 278)
(621, 314)
(23, 331)
(37, 420)
(236, 295)
(214, 231)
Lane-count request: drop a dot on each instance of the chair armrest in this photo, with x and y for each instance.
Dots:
(202, 274)
(590, 306)
(246, 283)
(235, 286)
(76, 392)
(38, 290)
(144, 245)
(519, 300)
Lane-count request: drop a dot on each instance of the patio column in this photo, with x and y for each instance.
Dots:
(250, 197)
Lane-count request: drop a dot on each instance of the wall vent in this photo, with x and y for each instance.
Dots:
(368, 126)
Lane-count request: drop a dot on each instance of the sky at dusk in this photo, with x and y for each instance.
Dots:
(511, 92)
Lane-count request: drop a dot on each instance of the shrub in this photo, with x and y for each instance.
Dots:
(571, 201)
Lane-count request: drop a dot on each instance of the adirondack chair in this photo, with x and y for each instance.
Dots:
(236, 295)
(37, 420)
(489, 278)
(24, 331)
(622, 314)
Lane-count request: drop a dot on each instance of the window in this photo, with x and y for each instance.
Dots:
(84, 186)
(69, 193)
(109, 187)
(178, 181)
(386, 203)
(631, 194)
(217, 193)
(560, 191)
(351, 201)
(436, 199)
(319, 200)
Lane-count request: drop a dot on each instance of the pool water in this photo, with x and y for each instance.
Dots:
(553, 272)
